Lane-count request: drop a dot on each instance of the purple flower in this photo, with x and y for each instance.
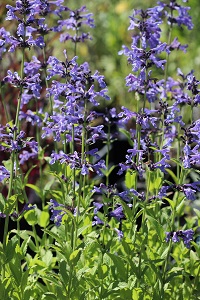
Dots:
(31, 117)
(2, 215)
(4, 173)
(97, 206)
(189, 189)
(4, 41)
(192, 84)
(117, 213)
(97, 221)
(185, 235)
(177, 14)
(29, 83)
(27, 207)
(147, 22)
(163, 191)
(57, 216)
(58, 211)
(31, 154)
(175, 45)
(32, 68)
(75, 22)
(105, 190)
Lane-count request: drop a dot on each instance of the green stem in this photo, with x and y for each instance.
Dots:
(82, 177)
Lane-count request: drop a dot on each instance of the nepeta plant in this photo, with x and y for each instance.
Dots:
(72, 227)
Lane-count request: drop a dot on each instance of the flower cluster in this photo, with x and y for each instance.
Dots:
(27, 148)
(58, 211)
(185, 235)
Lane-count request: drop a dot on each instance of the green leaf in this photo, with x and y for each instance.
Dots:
(27, 175)
(2, 202)
(75, 255)
(119, 265)
(197, 211)
(107, 172)
(24, 279)
(155, 184)
(63, 271)
(83, 228)
(10, 203)
(35, 188)
(174, 272)
(43, 219)
(15, 272)
(54, 235)
(130, 179)
(158, 228)
(47, 258)
(174, 177)
(31, 217)
(127, 134)
(10, 248)
(171, 202)
(49, 296)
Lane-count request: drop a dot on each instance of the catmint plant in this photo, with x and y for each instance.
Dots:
(71, 231)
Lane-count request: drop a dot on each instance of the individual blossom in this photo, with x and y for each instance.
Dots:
(117, 213)
(4, 41)
(190, 189)
(176, 45)
(97, 206)
(97, 221)
(32, 68)
(185, 235)
(4, 173)
(129, 194)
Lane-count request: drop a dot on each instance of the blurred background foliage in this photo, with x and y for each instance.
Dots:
(110, 33)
